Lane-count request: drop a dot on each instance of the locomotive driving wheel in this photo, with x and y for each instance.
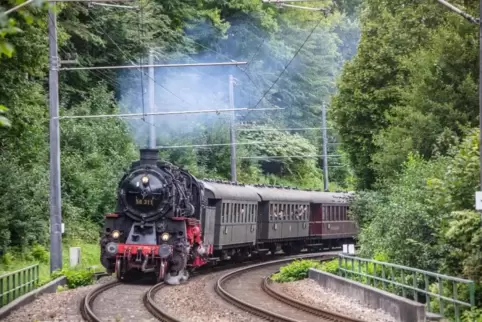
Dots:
(161, 271)
(119, 270)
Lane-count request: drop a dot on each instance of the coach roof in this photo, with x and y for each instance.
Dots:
(230, 191)
(280, 194)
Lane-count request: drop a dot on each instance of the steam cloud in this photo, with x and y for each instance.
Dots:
(206, 88)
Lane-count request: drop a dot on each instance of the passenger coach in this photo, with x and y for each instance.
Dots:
(243, 220)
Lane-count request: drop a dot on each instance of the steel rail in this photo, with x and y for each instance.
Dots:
(89, 315)
(158, 312)
(329, 315)
(153, 308)
(86, 304)
(266, 314)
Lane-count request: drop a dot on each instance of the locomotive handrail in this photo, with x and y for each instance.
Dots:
(365, 270)
(17, 283)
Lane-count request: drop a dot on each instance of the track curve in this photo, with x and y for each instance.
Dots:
(87, 302)
(331, 316)
(250, 295)
(148, 297)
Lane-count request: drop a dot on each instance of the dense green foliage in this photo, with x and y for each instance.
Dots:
(412, 86)
(406, 109)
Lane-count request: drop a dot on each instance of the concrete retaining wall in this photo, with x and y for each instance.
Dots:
(31, 296)
(402, 309)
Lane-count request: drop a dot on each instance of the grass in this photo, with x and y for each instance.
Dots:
(15, 259)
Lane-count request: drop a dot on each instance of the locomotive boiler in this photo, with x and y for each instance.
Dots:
(156, 227)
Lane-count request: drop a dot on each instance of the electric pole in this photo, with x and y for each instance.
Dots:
(152, 128)
(55, 196)
(480, 94)
(232, 129)
(325, 147)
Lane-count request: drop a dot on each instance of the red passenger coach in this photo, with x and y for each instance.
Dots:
(330, 225)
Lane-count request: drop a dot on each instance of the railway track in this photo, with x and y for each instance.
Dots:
(149, 302)
(88, 301)
(251, 299)
(330, 316)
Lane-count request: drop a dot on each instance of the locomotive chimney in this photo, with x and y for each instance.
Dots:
(149, 156)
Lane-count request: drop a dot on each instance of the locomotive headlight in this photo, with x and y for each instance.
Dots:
(165, 237)
(115, 234)
(145, 179)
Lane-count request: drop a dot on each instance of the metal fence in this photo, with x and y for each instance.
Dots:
(410, 282)
(18, 283)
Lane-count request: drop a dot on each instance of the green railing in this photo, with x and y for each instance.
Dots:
(18, 283)
(410, 282)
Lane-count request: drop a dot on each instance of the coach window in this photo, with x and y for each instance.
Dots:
(236, 213)
(223, 213)
(226, 212)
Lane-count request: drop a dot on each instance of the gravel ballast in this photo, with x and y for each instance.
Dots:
(194, 301)
(60, 306)
(310, 292)
(197, 301)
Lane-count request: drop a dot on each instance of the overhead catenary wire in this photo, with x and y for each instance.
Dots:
(282, 129)
(289, 63)
(140, 115)
(207, 145)
(96, 73)
(140, 8)
(291, 156)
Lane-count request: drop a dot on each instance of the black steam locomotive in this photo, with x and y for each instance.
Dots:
(154, 228)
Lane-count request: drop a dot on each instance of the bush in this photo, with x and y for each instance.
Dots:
(295, 271)
(330, 266)
(75, 277)
(40, 253)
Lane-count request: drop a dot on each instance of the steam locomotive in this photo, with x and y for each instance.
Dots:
(169, 223)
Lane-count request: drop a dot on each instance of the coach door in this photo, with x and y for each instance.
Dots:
(316, 217)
